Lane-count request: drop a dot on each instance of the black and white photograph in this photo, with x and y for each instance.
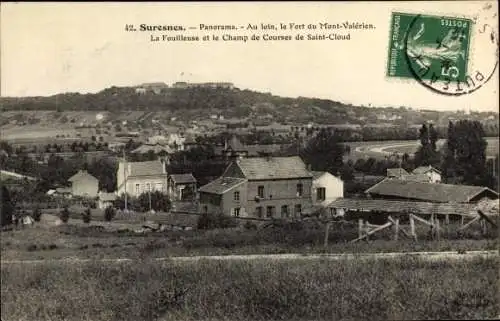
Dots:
(249, 161)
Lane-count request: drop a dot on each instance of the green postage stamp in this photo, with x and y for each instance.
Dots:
(431, 48)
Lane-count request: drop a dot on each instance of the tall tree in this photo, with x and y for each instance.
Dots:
(426, 153)
(324, 152)
(465, 156)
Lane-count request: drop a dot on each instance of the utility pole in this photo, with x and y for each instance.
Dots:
(125, 178)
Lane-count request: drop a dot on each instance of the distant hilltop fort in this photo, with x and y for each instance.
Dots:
(227, 85)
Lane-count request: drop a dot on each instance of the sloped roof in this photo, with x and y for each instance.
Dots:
(183, 178)
(404, 206)
(221, 185)
(260, 168)
(146, 168)
(317, 174)
(425, 169)
(431, 192)
(396, 172)
(82, 174)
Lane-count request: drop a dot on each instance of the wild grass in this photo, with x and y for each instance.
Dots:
(401, 289)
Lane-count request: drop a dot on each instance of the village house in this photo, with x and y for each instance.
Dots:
(235, 148)
(179, 184)
(326, 188)
(136, 178)
(83, 184)
(394, 189)
(260, 187)
(433, 174)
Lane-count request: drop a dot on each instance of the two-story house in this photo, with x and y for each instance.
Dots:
(261, 187)
(135, 178)
(433, 174)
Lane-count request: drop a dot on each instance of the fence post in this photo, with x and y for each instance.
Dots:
(412, 228)
(396, 229)
(437, 229)
(327, 231)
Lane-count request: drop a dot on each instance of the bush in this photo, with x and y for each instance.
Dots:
(37, 214)
(64, 215)
(109, 213)
(86, 216)
(212, 221)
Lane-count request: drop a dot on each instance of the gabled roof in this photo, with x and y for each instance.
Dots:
(183, 178)
(431, 192)
(392, 172)
(82, 174)
(222, 185)
(146, 168)
(262, 168)
(425, 169)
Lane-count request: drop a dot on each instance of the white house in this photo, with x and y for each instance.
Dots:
(326, 188)
(136, 178)
(84, 184)
(431, 172)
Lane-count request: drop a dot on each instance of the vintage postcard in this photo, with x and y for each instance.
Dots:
(249, 160)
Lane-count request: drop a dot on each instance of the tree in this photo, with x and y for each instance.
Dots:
(464, 161)
(64, 215)
(37, 214)
(109, 213)
(159, 202)
(86, 216)
(7, 207)
(427, 154)
(324, 152)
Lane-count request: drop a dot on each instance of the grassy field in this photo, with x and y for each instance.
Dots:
(401, 289)
(117, 240)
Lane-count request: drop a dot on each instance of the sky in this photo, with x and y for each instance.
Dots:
(49, 48)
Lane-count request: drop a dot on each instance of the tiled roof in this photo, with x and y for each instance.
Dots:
(81, 175)
(404, 206)
(424, 169)
(396, 172)
(221, 185)
(145, 168)
(183, 178)
(273, 167)
(427, 191)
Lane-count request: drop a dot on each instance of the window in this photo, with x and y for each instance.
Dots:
(148, 187)
(284, 211)
(236, 211)
(299, 189)
(258, 211)
(261, 191)
(137, 189)
(236, 196)
(298, 209)
(270, 211)
(320, 193)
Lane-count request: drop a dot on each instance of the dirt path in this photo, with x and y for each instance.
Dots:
(430, 256)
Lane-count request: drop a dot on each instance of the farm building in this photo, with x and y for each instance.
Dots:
(84, 184)
(396, 189)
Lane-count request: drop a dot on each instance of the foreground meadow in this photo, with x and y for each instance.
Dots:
(401, 289)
